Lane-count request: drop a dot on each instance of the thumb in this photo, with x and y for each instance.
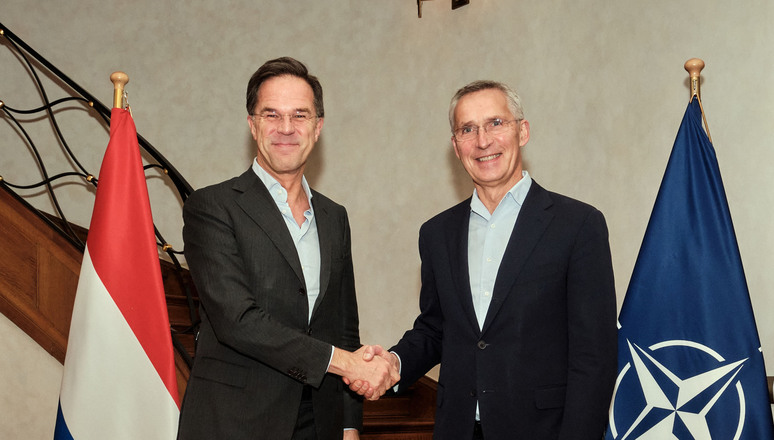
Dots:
(368, 353)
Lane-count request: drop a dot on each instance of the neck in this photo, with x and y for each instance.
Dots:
(296, 195)
(291, 181)
(491, 196)
(297, 198)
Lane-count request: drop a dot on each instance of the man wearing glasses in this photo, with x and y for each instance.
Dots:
(272, 264)
(518, 300)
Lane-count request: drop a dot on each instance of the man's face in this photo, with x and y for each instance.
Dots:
(284, 143)
(492, 161)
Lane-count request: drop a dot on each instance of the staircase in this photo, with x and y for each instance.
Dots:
(410, 416)
(39, 270)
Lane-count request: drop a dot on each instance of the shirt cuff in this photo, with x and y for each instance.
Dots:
(330, 359)
(400, 367)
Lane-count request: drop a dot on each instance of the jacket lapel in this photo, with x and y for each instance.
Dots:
(325, 230)
(529, 228)
(458, 258)
(257, 203)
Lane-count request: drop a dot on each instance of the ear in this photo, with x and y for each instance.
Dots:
(318, 128)
(253, 127)
(523, 133)
(456, 149)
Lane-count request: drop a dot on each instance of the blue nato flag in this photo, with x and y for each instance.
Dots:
(690, 364)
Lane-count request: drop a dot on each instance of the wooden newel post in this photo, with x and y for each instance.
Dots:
(119, 80)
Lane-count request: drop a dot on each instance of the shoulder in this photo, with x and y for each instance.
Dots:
(453, 217)
(225, 189)
(212, 190)
(565, 213)
(323, 200)
(539, 197)
(219, 196)
(322, 203)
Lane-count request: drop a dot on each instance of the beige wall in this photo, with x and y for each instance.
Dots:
(29, 386)
(602, 81)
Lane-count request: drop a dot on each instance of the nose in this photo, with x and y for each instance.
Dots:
(285, 125)
(482, 138)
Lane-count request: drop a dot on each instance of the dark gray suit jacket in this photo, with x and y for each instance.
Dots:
(544, 364)
(256, 350)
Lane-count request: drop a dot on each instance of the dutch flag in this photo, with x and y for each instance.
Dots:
(119, 376)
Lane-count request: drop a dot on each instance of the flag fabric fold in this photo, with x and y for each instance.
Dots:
(119, 378)
(690, 360)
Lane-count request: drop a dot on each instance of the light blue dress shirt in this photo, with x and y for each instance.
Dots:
(304, 237)
(488, 236)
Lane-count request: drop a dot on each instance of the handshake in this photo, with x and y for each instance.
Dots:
(370, 371)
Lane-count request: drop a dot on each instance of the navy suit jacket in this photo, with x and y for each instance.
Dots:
(544, 364)
(256, 350)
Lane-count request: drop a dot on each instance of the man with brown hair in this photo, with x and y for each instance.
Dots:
(272, 263)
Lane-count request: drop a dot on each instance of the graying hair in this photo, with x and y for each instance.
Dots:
(514, 101)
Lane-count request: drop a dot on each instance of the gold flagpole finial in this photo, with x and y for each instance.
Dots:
(694, 67)
(119, 80)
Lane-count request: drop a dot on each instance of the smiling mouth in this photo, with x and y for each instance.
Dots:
(488, 158)
(286, 144)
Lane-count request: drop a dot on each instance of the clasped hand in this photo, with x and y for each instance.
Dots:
(375, 372)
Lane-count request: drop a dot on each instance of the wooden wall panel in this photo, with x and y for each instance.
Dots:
(58, 279)
(18, 257)
(38, 274)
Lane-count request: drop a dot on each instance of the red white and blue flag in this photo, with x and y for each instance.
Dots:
(119, 377)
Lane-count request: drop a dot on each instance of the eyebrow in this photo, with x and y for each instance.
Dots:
(274, 110)
(490, 119)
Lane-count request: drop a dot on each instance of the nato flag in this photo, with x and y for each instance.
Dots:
(689, 359)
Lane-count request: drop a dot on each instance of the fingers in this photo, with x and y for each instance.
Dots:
(385, 377)
(372, 350)
(362, 388)
(370, 371)
(357, 386)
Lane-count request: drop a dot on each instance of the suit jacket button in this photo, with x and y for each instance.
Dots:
(301, 291)
(309, 331)
(473, 393)
(482, 345)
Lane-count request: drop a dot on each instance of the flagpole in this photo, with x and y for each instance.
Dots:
(119, 80)
(694, 67)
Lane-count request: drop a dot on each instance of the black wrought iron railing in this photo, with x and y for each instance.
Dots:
(36, 66)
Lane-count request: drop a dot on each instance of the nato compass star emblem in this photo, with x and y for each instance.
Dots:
(653, 401)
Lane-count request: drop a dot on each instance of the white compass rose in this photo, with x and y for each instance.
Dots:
(669, 398)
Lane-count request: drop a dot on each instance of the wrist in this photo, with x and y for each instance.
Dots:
(340, 362)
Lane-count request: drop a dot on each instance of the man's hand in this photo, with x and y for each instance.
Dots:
(362, 387)
(373, 373)
(351, 434)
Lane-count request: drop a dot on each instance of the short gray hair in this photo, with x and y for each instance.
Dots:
(514, 101)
